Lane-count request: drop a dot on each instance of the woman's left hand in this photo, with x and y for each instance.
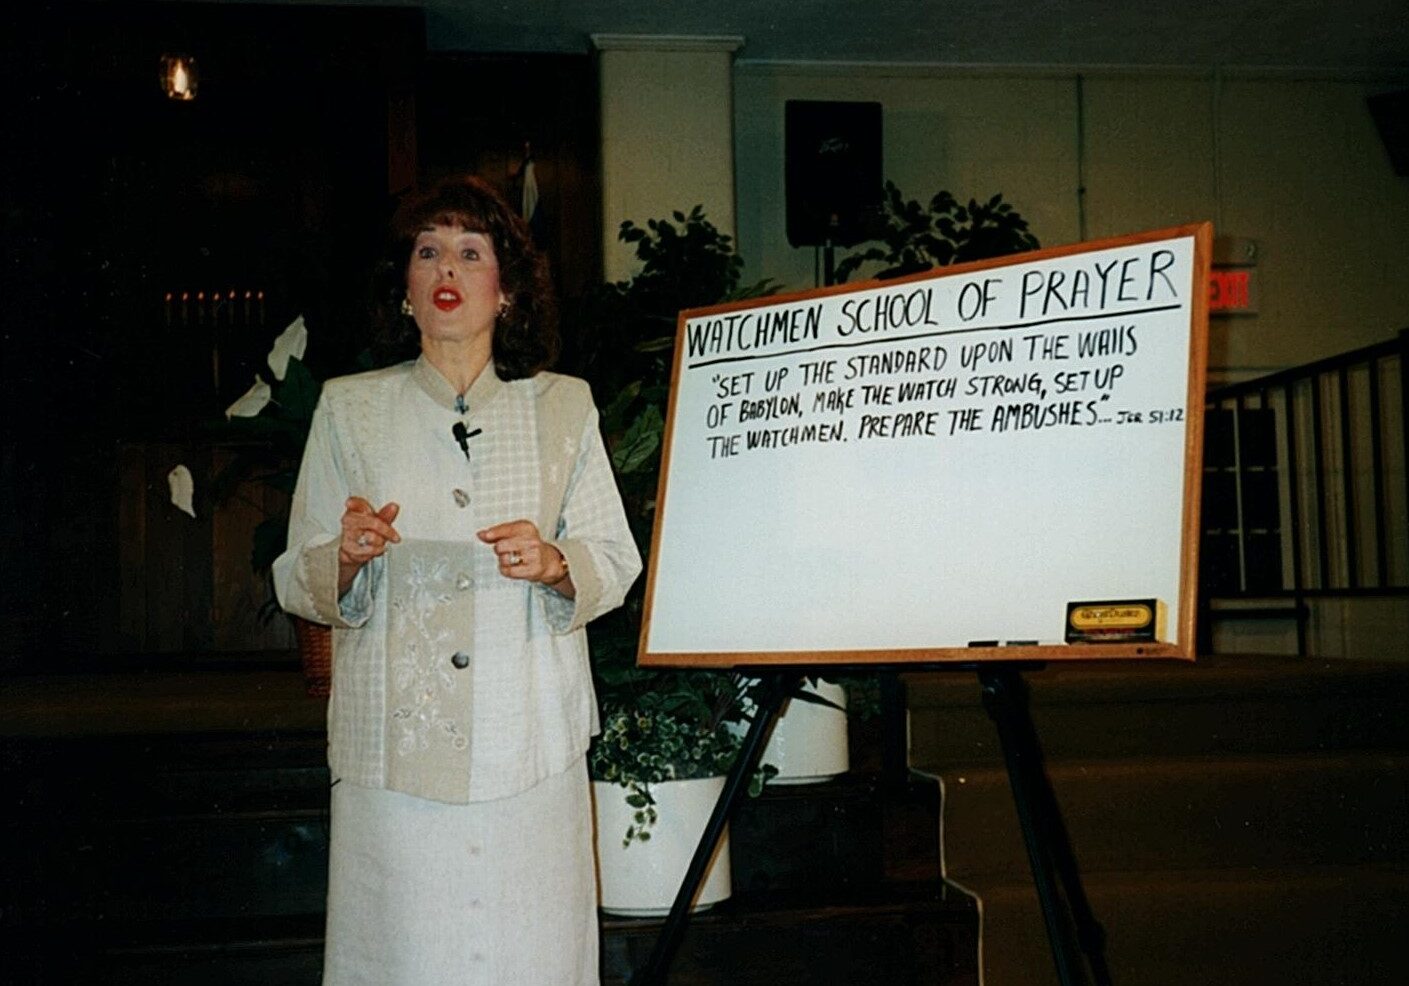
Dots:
(523, 554)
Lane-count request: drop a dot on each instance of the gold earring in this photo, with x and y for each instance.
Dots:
(406, 308)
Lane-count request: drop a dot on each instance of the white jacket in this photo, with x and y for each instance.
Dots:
(450, 681)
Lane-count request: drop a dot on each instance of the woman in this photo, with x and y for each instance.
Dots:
(456, 522)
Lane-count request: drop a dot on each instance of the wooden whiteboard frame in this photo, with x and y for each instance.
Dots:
(1184, 631)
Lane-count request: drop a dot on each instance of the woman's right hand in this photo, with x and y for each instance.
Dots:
(365, 534)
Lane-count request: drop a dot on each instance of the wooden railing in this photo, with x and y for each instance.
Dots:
(1306, 474)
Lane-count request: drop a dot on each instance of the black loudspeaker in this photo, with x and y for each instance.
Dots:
(1390, 111)
(832, 170)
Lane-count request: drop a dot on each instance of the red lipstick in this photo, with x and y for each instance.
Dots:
(446, 299)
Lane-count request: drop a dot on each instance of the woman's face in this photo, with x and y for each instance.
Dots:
(452, 282)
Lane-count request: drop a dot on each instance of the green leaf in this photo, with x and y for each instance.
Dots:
(616, 410)
(640, 442)
(297, 394)
(759, 289)
(911, 239)
(663, 344)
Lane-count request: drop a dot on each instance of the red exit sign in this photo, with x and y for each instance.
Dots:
(1232, 291)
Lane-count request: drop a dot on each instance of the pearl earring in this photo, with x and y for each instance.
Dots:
(406, 308)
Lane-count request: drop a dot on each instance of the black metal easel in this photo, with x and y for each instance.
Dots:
(1072, 928)
(778, 686)
(1065, 908)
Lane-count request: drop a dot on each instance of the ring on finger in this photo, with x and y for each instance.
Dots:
(364, 539)
(515, 558)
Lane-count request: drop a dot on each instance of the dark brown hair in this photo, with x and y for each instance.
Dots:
(525, 336)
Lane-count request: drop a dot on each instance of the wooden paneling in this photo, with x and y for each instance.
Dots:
(185, 584)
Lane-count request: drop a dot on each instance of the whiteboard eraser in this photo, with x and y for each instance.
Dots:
(1114, 621)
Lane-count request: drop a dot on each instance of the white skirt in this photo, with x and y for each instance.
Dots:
(495, 892)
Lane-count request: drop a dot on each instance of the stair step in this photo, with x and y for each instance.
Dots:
(912, 933)
(225, 829)
(150, 828)
(283, 951)
(1217, 705)
(1309, 926)
(182, 693)
(931, 937)
(1239, 820)
(852, 832)
(1166, 814)
(201, 858)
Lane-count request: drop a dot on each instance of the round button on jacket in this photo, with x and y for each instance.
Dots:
(460, 659)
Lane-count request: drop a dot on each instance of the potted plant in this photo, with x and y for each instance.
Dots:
(809, 740)
(268, 427)
(658, 768)
(665, 746)
(911, 238)
(265, 431)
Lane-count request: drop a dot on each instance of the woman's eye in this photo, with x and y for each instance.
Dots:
(470, 253)
(426, 252)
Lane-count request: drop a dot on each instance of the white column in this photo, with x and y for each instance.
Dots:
(667, 133)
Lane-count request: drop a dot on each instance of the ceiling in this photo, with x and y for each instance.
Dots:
(1335, 35)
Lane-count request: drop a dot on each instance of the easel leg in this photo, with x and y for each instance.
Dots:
(1044, 832)
(895, 733)
(779, 687)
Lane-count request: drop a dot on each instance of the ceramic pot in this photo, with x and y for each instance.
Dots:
(642, 879)
(809, 741)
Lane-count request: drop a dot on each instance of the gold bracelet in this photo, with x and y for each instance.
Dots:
(561, 578)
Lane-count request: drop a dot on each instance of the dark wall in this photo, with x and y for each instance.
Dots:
(273, 179)
(275, 182)
(483, 113)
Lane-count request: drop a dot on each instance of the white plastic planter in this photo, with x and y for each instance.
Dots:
(809, 742)
(642, 879)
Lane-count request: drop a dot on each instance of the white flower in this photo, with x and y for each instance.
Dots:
(252, 402)
(183, 489)
(291, 342)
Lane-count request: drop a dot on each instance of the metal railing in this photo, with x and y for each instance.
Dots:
(1306, 486)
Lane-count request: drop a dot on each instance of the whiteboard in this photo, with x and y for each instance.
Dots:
(933, 468)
